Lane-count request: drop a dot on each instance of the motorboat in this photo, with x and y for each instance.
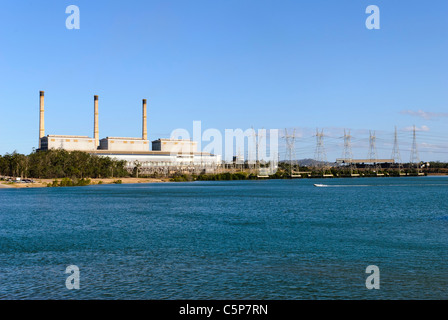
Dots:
(320, 185)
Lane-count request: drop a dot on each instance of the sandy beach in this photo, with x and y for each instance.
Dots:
(42, 183)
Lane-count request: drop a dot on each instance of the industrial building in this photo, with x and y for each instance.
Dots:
(166, 155)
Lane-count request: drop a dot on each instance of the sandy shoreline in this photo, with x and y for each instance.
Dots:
(42, 183)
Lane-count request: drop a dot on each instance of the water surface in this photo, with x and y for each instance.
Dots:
(283, 239)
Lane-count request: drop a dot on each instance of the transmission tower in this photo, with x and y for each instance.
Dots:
(242, 159)
(255, 136)
(320, 155)
(372, 151)
(258, 137)
(415, 159)
(290, 149)
(396, 152)
(252, 153)
(347, 153)
(239, 160)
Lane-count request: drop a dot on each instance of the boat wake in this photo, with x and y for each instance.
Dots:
(375, 185)
(340, 185)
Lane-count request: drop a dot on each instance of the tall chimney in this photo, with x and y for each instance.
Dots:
(145, 125)
(96, 133)
(41, 118)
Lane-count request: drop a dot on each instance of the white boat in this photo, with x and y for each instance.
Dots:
(320, 185)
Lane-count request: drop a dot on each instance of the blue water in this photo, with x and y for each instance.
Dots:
(280, 239)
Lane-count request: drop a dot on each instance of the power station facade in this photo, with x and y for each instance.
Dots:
(164, 154)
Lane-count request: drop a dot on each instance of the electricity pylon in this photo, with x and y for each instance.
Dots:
(290, 148)
(347, 154)
(258, 137)
(415, 159)
(320, 155)
(396, 152)
(252, 153)
(372, 151)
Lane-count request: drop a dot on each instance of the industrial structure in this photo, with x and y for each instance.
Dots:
(166, 155)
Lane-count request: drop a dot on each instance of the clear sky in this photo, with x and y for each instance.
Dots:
(230, 64)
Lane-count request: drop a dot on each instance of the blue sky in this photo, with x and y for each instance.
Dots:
(230, 64)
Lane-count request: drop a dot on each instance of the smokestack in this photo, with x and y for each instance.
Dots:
(96, 133)
(145, 128)
(41, 118)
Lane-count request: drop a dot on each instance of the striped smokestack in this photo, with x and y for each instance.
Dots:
(41, 118)
(145, 125)
(96, 132)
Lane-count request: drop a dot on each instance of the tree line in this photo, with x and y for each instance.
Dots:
(61, 164)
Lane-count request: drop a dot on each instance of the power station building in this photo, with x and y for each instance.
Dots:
(164, 154)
